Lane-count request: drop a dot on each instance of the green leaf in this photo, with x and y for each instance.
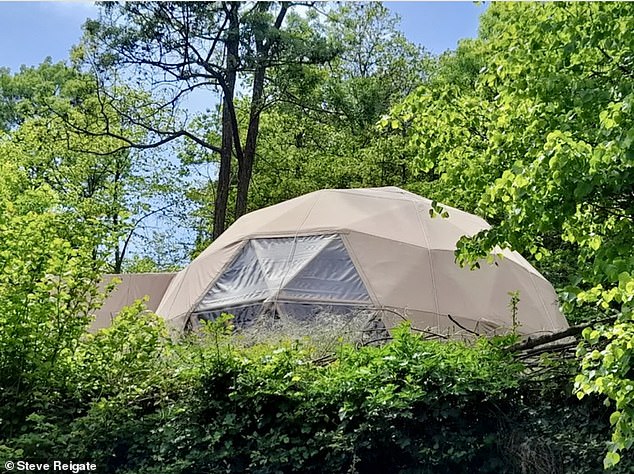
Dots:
(614, 417)
(611, 459)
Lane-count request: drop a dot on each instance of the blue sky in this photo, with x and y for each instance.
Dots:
(438, 26)
(31, 31)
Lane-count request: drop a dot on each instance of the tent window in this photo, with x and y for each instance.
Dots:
(331, 275)
(242, 281)
(313, 268)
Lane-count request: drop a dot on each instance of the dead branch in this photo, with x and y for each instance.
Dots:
(562, 348)
(572, 331)
(462, 327)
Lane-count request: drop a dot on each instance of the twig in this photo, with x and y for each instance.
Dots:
(413, 328)
(373, 341)
(462, 327)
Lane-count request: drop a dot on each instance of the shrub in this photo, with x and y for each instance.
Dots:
(47, 293)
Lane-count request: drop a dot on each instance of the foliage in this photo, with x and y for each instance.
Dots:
(113, 192)
(499, 146)
(132, 400)
(270, 409)
(537, 135)
(121, 358)
(540, 438)
(321, 133)
(529, 125)
(316, 130)
(142, 404)
(179, 51)
(607, 370)
(47, 292)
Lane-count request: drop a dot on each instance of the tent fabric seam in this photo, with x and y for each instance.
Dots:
(281, 285)
(308, 212)
(541, 300)
(359, 268)
(360, 247)
(531, 270)
(317, 254)
(431, 263)
(334, 302)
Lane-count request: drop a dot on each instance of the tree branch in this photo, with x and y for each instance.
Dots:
(622, 68)
(557, 336)
(134, 228)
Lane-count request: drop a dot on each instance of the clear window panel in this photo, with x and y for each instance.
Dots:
(316, 268)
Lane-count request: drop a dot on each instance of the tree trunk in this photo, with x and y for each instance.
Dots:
(245, 166)
(224, 174)
(116, 180)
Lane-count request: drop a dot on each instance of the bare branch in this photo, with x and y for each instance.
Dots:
(621, 67)
(134, 227)
(462, 327)
(556, 336)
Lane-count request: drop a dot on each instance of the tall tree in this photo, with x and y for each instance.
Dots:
(322, 130)
(181, 49)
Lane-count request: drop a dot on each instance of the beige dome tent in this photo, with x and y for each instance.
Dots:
(342, 251)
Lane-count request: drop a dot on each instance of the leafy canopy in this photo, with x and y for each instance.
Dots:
(531, 126)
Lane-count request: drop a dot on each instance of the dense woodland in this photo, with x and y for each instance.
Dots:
(170, 120)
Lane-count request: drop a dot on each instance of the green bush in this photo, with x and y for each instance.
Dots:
(47, 293)
(142, 403)
(270, 409)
